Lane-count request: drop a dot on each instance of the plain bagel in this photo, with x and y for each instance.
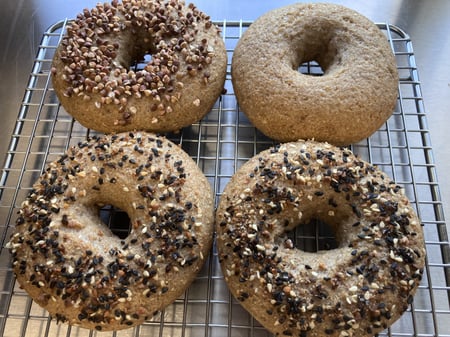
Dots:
(354, 97)
(358, 289)
(94, 80)
(71, 263)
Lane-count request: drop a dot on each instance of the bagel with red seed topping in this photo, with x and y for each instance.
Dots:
(96, 82)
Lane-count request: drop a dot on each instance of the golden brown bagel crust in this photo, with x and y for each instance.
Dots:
(177, 87)
(357, 289)
(75, 267)
(354, 97)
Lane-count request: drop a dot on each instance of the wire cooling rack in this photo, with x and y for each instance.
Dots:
(220, 144)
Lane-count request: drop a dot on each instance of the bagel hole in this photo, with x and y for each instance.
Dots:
(313, 236)
(136, 53)
(311, 68)
(116, 219)
(140, 62)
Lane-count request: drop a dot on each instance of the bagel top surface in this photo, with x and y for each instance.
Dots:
(71, 263)
(355, 95)
(358, 288)
(96, 82)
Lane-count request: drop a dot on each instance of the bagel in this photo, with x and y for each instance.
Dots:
(71, 263)
(356, 94)
(357, 289)
(95, 82)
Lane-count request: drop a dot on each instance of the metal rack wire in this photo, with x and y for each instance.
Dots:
(220, 144)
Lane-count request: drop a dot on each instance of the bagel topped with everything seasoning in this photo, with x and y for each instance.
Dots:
(71, 263)
(96, 78)
(357, 289)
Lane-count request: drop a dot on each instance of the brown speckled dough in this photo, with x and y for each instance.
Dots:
(357, 289)
(177, 87)
(354, 97)
(75, 267)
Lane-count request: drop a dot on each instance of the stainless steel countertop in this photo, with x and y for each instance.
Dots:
(427, 22)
